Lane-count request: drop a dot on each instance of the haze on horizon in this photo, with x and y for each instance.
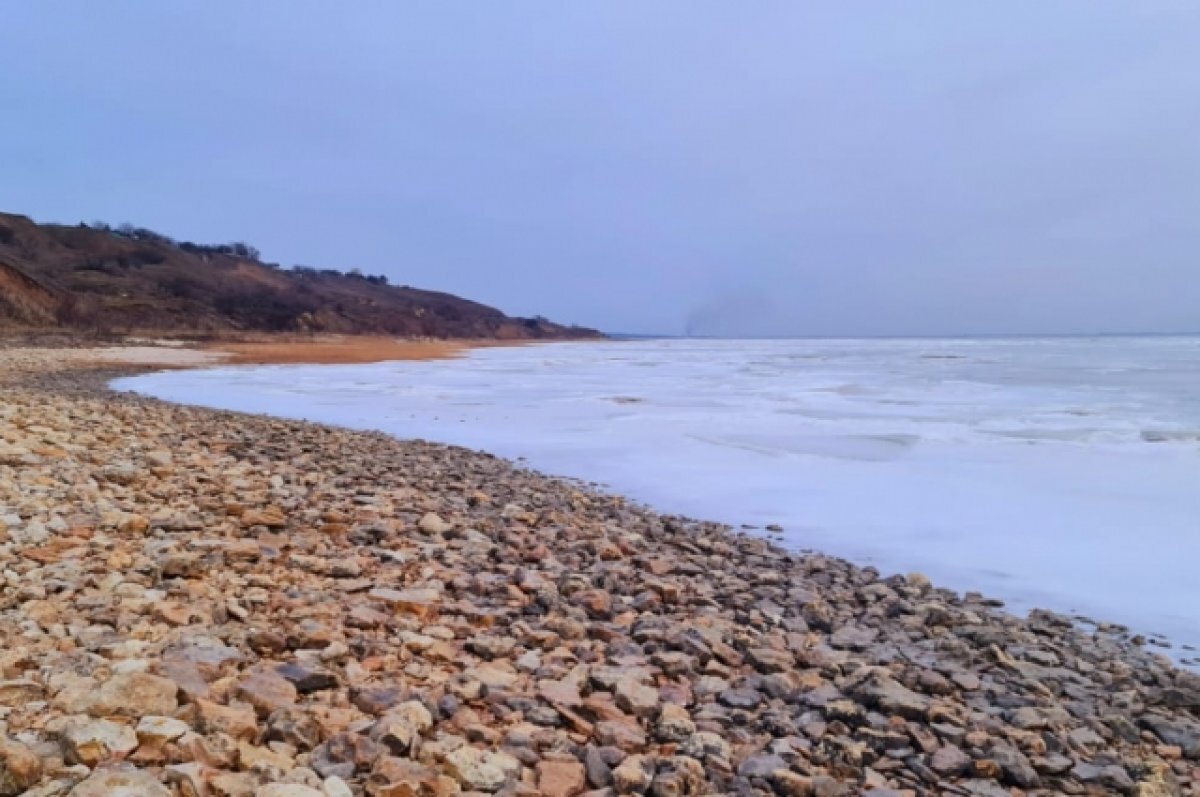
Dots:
(687, 166)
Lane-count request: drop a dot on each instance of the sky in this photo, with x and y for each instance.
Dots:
(683, 166)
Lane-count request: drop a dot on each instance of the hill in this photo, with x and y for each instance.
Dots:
(97, 278)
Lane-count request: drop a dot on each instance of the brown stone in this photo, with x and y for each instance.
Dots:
(561, 778)
(20, 769)
(266, 691)
(135, 694)
(236, 720)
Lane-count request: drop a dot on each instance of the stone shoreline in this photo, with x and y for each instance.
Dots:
(207, 603)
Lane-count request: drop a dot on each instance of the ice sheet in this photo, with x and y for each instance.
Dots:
(1062, 473)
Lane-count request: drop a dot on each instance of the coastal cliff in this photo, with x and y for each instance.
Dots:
(95, 278)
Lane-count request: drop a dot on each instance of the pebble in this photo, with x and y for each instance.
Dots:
(201, 602)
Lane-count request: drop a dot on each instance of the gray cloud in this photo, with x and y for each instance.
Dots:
(776, 168)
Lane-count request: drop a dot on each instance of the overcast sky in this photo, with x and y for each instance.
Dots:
(729, 168)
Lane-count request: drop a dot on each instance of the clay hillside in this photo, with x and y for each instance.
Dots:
(112, 280)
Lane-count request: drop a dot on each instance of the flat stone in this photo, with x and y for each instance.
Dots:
(949, 761)
(741, 698)
(761, 766)
(266, 691)
(135, 694)
(879, 690)
(121, 782)
(561, 778)
(422, 603)
(156, 730)
(307, 678)
(401, 726)
(636, 698)
(237, 720)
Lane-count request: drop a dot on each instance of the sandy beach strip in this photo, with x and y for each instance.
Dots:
(340, 350)
(282, 350)
(208, 603)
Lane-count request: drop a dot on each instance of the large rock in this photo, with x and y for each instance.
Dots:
(561, 778)
(879, 690)
(237, 720)
(1179, 731)
(267, 691)
(135, 694)
(674, 724)
(949, 761)
(633, 775)
(401, 726)
(20, 769)
(482, 770)
(678, 776)
(431, 523)
(637, 698)
(88, 741)
(122, 782)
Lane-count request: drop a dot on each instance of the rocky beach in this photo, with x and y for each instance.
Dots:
(208, 603)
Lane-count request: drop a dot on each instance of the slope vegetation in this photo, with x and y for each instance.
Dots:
(130, 279)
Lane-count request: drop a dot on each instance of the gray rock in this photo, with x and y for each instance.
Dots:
(741, 698)
(949, 761)
(761, 766)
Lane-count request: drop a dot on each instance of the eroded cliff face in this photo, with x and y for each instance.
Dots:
(132, 279)
(24, 300)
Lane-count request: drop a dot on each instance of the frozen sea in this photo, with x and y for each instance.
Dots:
(1062, 473)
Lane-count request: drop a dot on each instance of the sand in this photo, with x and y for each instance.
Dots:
(344, 350)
